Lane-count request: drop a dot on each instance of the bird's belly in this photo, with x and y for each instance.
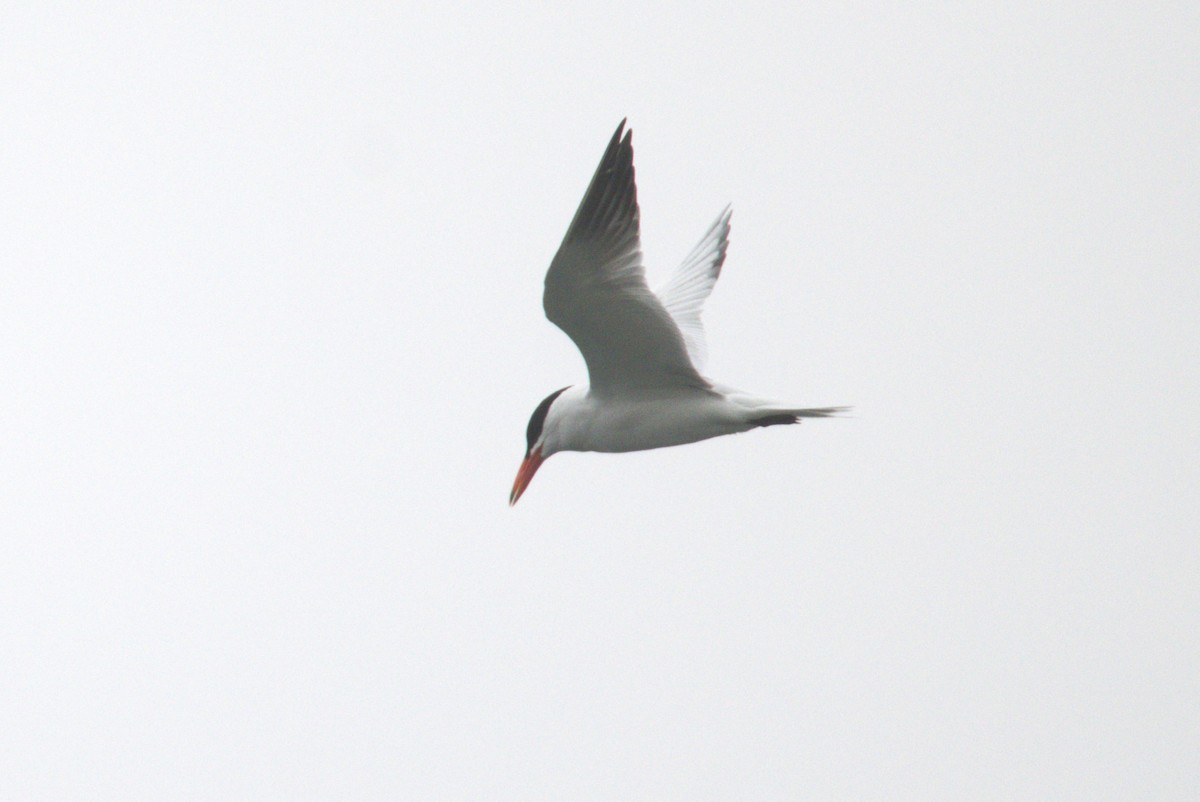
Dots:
(641, 425)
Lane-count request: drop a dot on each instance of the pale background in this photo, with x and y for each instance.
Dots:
(271, 330)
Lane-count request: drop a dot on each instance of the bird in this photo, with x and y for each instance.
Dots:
(644, 350)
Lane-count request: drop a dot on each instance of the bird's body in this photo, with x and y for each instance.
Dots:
(579, 421)
(644, 350)
(583, 422)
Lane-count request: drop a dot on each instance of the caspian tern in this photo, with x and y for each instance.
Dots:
(644, 350)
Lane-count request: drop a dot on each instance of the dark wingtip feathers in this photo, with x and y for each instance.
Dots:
(609, 210)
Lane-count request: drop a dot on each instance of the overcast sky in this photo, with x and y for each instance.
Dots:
(271, 331)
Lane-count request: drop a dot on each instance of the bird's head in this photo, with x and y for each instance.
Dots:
(540, 443)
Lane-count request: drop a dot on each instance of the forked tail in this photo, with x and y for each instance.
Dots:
(784, 417)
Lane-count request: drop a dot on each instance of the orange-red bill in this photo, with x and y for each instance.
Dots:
(525, 474)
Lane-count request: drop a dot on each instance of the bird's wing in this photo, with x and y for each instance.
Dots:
(596, 290)
(687, 290)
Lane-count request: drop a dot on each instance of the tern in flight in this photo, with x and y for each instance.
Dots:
(644, 350)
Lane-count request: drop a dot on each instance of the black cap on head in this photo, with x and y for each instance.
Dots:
(538, 419)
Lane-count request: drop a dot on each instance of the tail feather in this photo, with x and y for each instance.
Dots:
(784, 417)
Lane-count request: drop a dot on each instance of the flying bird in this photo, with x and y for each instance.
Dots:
(644, 350)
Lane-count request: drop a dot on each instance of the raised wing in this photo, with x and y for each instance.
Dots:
(684, 294)
(596, 290)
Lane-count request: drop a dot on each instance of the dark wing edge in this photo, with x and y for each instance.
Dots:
(609, 211)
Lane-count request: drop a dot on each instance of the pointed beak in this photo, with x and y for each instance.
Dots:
(528, 468)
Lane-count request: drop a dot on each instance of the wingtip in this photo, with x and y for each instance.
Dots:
(621, 142)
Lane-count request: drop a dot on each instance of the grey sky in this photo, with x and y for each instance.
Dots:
(271, 332)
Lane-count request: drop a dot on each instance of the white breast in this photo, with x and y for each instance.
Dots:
(585, 423)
